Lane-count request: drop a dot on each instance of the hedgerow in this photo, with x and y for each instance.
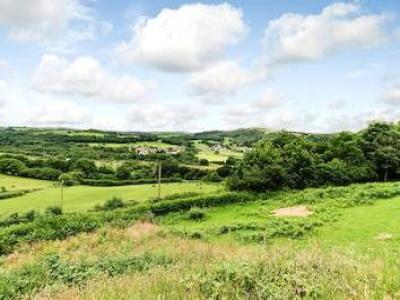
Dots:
(106, 182)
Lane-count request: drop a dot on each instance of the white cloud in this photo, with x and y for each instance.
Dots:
(246, 116)
(249, 114)
(58, 113)
(184, 39)
(295, 37)
(392, 95)
(336, 104)
(85, 77)
(354, 122)
(8, 93)
(269, 99)
(158, 116)
(222, 78)
(55, 23)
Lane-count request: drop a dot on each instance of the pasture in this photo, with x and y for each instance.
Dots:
(342, 256)
(155, 144)
(12, 183)
(81, 198)
(220, 156)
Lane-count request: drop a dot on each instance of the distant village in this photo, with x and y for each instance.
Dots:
(146, 150)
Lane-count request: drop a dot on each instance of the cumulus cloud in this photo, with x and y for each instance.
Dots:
(269, 99)
(8, 93)
(184, 39)
(59, 113)
(392, 95)
(287, 119)
(222, 78)
(254, 113)
(336, 104)
(354, 122)
(159, 116)
(56, 21)
(85, 77)
(296, 37)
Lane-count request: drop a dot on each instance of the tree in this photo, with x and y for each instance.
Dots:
(11, 166)
(382, 144)
(123, 173)
(262, 169)
(87, 166)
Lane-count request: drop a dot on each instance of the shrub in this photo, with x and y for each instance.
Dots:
(112, 204)
(196, 214)
(53, 210)
(68, 179)
(204, 162)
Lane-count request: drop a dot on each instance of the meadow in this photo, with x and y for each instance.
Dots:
(297, 217)
(80, 198)
(346, 247)
(155, 144)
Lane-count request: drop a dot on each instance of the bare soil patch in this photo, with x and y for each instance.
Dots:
(293, 211)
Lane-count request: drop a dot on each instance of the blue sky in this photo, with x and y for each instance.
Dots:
(317, 66)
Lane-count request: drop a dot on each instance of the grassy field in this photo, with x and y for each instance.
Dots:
(332, 262)
(352, 253)
(221, 156)
(78, 198)
(17, 183)
(137, 144)
(367, 227)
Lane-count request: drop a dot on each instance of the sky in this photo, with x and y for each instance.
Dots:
(152, 65)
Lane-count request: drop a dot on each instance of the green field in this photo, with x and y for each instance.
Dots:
(17, 183)
(137, 144)
(80, 198)
(221, 156)
(342, 256)
(364, 227)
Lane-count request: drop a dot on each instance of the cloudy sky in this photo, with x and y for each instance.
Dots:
(317, 66)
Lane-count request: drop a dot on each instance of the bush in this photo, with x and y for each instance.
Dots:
(196, 214)
(68, 179)
(53, 210)
(111, 204)
(204, 162)
(212, 177)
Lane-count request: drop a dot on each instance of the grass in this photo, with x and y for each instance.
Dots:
(203, 270)
(361, 227)
(80, 198)
(137, 144)
(205, 152)
(17, 183)
(340, 259)
(221, 156)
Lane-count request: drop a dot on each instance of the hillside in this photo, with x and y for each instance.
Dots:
(233, 249)
(244, 214)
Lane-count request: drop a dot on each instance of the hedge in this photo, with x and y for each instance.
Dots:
(108, 182)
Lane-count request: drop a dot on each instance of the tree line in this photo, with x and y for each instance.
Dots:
(290, 160)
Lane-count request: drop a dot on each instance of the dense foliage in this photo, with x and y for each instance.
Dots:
(289, 160)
